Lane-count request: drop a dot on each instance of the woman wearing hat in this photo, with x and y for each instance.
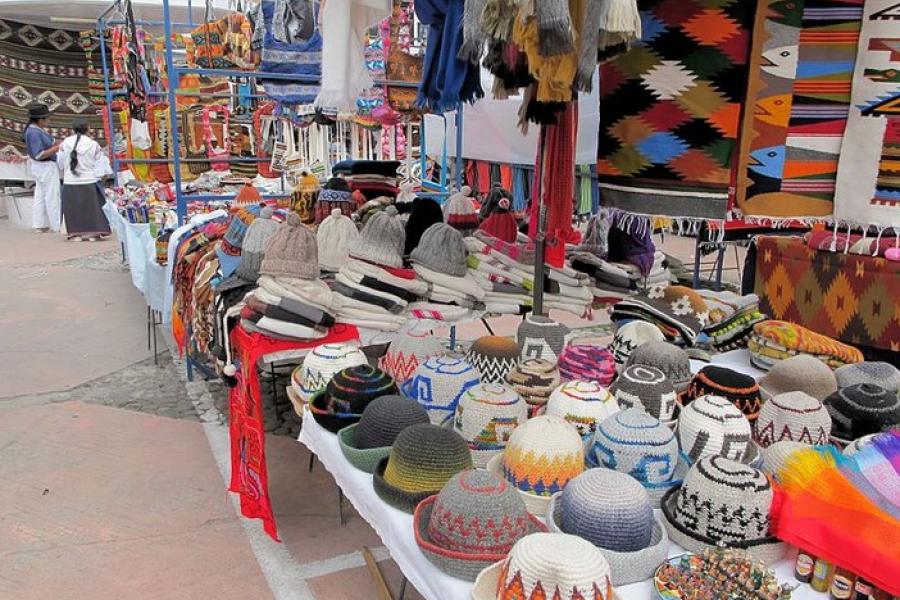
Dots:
(41, 148)
(81, 159)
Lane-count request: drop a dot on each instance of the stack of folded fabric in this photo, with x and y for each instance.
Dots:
(731, 318)
(678, 311)
(619, 279)
(774, 341)
(440, 260)
(371, 177)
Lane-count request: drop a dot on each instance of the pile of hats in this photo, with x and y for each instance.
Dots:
(317, 369)
(440, 260)
(587, 362)
(619, 280)
(731, 318)
(407, 352)
(678, 311)
(346, 396)
(774, 341)
(438, 384)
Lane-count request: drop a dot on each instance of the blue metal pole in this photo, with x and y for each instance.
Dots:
(107, 92)
(458, 176)
(181, 205)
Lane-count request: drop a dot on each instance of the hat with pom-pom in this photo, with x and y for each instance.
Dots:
(381, 239)
(336, 235)
(459, 210)
(292, 251)
(441, 249)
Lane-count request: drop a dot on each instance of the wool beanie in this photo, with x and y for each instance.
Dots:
(668, 358)
(860, 410)
(291, 251)
(228, 249)
(486, 415)
(801, 373)
(381, 239)
(441, 249)
(407, 352)
(793, 416)
(438, 384)
(587, 362)
(534, 379)
(584, 404)
(254, 247)
(493, 356)
(882, 374)
(501, 223)
(631, 335)
(742, 390)
(647, 388)
(248, 195)
(384, 418)
(775, 456)
(541, 337)
(320, 365)
(713, 426)
(459, 211)
(335, 236)
(425, 213)
(494, 200)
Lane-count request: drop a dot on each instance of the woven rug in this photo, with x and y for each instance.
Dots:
(868, 182)
(38, 64)
(798, 98)
(671, 109)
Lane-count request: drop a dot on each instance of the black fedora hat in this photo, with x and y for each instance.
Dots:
(38, 111)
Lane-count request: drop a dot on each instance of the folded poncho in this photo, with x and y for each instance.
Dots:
(777, 340)
(314, 292)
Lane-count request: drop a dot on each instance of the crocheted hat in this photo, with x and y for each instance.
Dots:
(540, 458)
(742, 390)
(486, 416)
(613, 512)
(381, 239)
(422, 461)
(459, 210)
(534, 379)
(345, 397)
(254, 246)
(438, 384)
(586, 362)
(292, 251)
(365, 443)
(472, 523)
(629, 337)
(493, 356)
(794, 416)
(723, 502)
(634, 443)
(541, 337)
(860, 410)
(228, 249)
(682, 301)
(441, 249)
(407, 352)
(583, 404)
(336, 235)
(801, 373)
(646, 387)
(320, 365)
(713, 426)
(882, 374)
(547, 565)
(425, 213)
(774, 457)
(668, 358)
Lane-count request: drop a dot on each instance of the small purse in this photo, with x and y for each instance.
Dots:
(280, 150)
(158, 121)
(196, 155)
(218, 152)
(242, 147)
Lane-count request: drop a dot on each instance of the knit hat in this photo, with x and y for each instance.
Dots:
(583, 404)
(228, 249)
(292, 251)
(407, 352)
(882, 374)
(438, 384)
(631, 335)
(486, 416)
(365, 443)
(682, 301)
(860, 410)
(493, 356)
(541, 337)
(381, 239)
(247, 195)
(613, 512)
(547, 565)
(587, 362)
(459, 210)
(634, 443)
(801, 373)
(540, 458)
(646, 387)
(502, 225)
(742, 390)
(723, 502)
(345, 397)
(534, 379)
(775, 456)
(668, 358)
(422, 461)
(320, 365)
(336, 235)
(441, 249)
(472, 523)
(256, 240)
(425, 213)
(713, 426)
(793, 416)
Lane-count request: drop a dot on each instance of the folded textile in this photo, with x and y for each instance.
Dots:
(361, 268)
(854, 243)
(522, 253)
(685, 327)
(276, 312)
(798, 339)
(368, 298)
(392, 294)
(437, 312)
(313, 291)
(465, 284)
(291, 330)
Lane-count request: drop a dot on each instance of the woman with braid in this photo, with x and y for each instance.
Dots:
(81, 158)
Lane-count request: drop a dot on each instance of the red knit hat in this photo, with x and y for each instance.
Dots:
(247, 195)
(501, 224)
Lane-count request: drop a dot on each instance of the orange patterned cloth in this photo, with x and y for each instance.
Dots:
(777, 340)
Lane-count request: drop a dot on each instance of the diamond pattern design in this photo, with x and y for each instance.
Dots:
(19, 95)
(668, 80)
(50, 99)
(840, 302)
(5, 30)
(60, 39)
(77, 103)
(30, 35)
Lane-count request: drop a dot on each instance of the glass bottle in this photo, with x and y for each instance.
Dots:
(821, 575)
(842, 582)
(803, 567)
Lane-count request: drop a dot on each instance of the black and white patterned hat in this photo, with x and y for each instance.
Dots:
(647, 387)
(795, 417)
(860, 410)
(631, 335)
(713, 426)
(541, 337)
(493, 356)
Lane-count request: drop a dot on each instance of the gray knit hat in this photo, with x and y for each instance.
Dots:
(801, 373)
(882, 374)
(646, 387)
(860, 410)
(541, 337)
(291, 251)
(365, 443)
(668, 358)
(254, 247)
(441, 249)
(612, 511)
(381, 240)
(792, 416)
(534, 380)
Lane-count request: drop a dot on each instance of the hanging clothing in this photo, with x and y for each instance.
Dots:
(45, 211)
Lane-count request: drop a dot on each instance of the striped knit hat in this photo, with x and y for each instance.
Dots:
(860, 410)
(742, 390)
(794, 416)
(668, 358)
(228, 249)
(541, 337)
(493, 356)
(407, 352)
(648, 388)
(365, 443)
(438, 384)
(345, 397)
(583, 404)
(631, 335)
(882, 374)
(321, 364)
(586, 362)
(486, 416)
(713, 426)
(534, 379)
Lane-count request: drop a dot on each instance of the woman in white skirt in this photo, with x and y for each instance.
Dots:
(82, 200)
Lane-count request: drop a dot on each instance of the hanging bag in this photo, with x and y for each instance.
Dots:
(198, 160)
(263, 131)
(280, 149)
(215, 135)
(158, 122)
(242, 147)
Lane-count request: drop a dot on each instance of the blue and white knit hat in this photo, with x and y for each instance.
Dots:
(438, 384)
(320, 366)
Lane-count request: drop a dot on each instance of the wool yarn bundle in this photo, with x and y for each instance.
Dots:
(631, 335)
(668, 358)
(584, 404)
(795, 417)
(534, 380)
(861, 409)
(647, 388)
(365, 443)
(493, 356)
(587, 362)
(713, 426)
(438, 384)
(486, 416)
(742, 390)
(802, 373)
(407, 352)
(320, 365)
(541, 337)
(346, 396)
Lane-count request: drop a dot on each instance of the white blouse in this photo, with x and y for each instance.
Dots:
(90, 160)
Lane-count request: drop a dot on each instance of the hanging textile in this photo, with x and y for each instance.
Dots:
(797, 101)
(671, 109)
(404, 62)
(868, 177)
(300, 54)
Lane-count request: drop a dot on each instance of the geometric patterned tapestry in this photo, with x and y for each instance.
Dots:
(670, 109)
(39, 64)
(850, 297)
(797, 104)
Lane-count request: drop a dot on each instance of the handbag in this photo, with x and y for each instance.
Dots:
(198, 160)
(401, 65)
(242, 147)
(218, 147)
(161, 141)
